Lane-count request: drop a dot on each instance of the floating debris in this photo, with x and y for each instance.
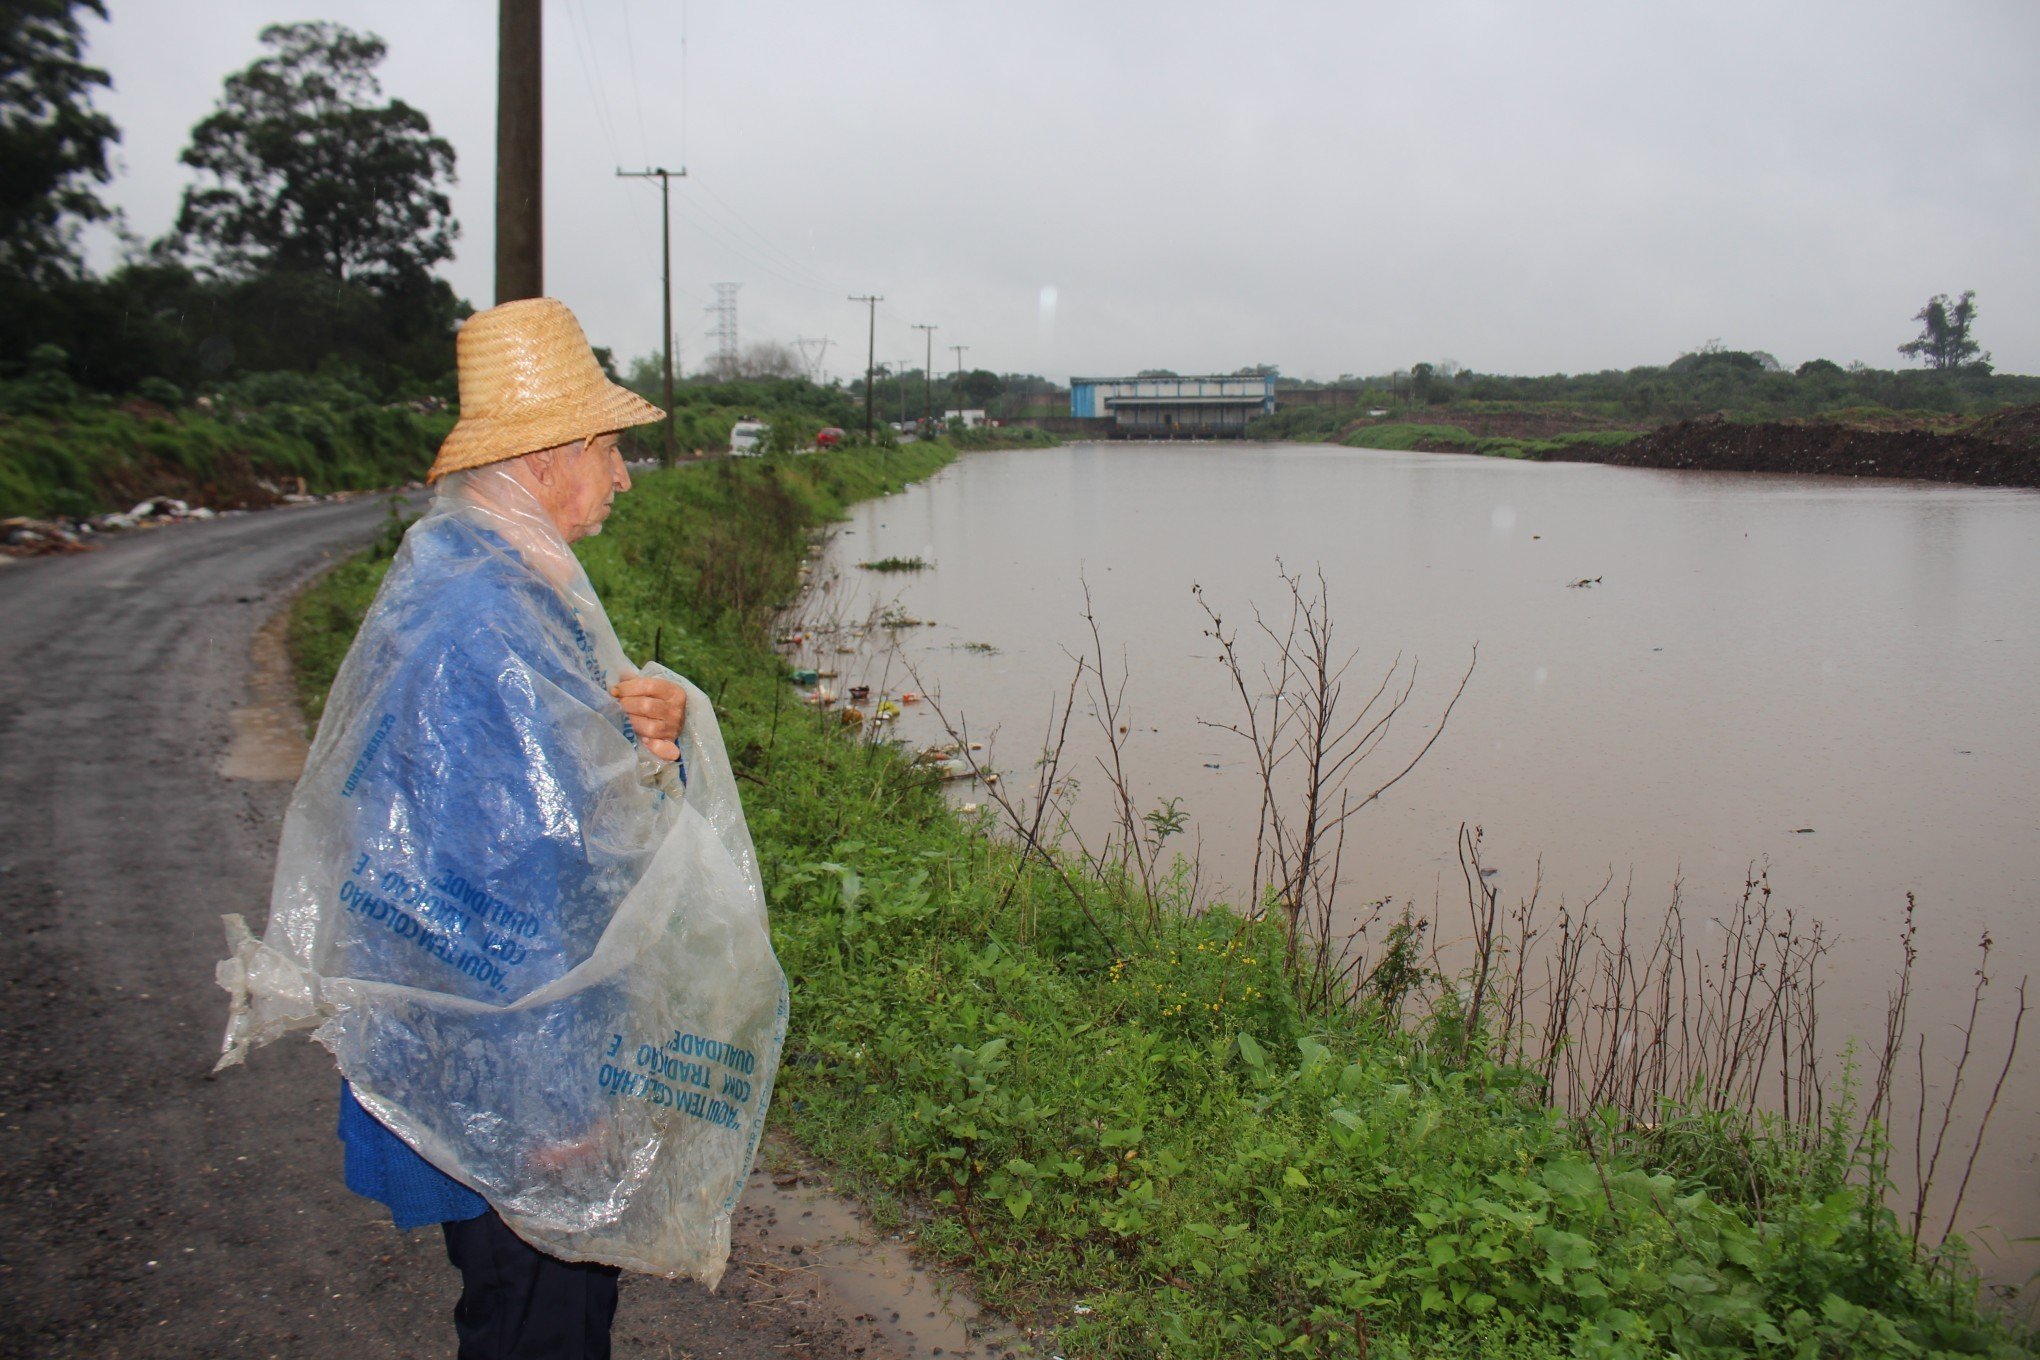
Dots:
(1583, 583)
(806, 676)
(860, 693)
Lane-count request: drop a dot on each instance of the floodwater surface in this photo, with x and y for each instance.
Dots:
(1831, 679)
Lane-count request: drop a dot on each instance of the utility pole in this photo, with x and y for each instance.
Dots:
(520, 152)
(958, 394)
(665, 178)
(871, 301)
(928, 370)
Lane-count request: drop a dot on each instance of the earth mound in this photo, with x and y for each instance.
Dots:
(2001, 449)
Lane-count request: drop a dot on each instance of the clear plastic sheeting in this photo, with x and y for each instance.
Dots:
(538, 953)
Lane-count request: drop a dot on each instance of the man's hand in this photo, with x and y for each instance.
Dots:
(656, 708)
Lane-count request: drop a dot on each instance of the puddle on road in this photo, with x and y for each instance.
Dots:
(269, 734)
(801, 1232)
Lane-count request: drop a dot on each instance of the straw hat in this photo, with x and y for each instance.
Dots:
(528, 381)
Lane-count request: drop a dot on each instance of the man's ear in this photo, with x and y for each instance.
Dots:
(542, 463)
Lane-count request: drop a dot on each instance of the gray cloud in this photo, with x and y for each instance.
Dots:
(1329, 187)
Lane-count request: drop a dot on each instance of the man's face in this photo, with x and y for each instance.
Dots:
(586, 479)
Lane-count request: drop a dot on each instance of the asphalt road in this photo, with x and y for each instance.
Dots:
(146, 1207)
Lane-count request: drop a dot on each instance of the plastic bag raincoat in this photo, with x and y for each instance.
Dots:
(538, 957)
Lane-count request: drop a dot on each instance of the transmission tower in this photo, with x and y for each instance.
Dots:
(725, 332)
(813, 362)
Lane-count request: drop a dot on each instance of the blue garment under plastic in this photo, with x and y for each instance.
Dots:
(382, 1167)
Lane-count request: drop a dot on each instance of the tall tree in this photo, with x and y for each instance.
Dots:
(1944, 334)
(53, 143)
(302, 170)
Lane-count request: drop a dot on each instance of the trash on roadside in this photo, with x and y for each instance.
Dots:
(24, 537)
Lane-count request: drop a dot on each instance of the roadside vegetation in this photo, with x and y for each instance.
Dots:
(1164, 1126)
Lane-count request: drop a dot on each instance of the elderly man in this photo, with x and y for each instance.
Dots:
(515, 890)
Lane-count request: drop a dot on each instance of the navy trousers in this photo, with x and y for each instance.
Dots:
(517, 1303)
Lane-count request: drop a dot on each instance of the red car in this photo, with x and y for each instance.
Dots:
(829, 438)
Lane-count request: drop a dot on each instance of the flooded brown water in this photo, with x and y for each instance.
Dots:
(1833, 678)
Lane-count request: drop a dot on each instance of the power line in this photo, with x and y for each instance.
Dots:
(959, 377)
(714, 201)
(637, 95)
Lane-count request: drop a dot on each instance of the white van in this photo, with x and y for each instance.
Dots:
(747, 439)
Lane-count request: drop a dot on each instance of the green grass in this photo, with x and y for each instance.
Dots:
(84, 459)
(1437, 438)
(1083, 1104)
(1410, 436)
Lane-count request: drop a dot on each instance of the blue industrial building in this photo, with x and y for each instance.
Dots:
(1209, 407)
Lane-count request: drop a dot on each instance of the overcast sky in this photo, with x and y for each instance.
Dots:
(1107, 186)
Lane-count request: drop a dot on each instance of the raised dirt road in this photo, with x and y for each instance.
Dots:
(148, 1209)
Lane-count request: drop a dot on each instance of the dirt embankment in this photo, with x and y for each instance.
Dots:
(2002, 449)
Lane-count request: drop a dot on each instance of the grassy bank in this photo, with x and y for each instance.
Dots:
(1453, 439)
(82, 458)
(1118, 1116)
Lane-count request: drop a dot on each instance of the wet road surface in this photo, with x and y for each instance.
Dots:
(146, 1207)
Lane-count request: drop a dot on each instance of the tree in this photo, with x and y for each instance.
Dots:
(1944, 334)
(979, 386)
(301, 171)
(770, 359)
(53, 143)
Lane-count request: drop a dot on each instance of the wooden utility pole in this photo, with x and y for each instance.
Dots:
(870, 354)
(520, 151)
(665, 178)
(928, 370)
(958, 394)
